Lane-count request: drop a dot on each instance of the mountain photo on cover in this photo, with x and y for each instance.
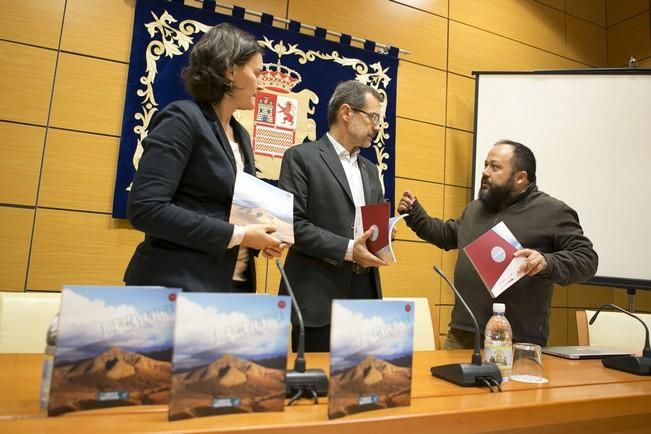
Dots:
(370, 363)
(230, 354)
(114, 348)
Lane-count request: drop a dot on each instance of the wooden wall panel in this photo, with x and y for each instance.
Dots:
(588, 295)
(79, 248)
(445, 315)
(461, 102)
(15, 234)
(79, 171)
(629, 38)
(419, 150)
(572, 329)
(590, 10)
(421, 93)
(559, 296)
(26, 82)
(32, 22)
(277, 8)
(428, 194)
(557, 326)
(458, 157)
(438, 7)
(642, 299)
(645, 63)
(423, 34)
(89, 95)
(100, 28)
(455, 200)
(586, 42)
(618, 10)
(21, 147)
(449, 262)
(525, 21)
(472, 49)
(556, 4)
(413, 275)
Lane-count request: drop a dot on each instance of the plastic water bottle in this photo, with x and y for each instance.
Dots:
(48, 361)
(498, 344)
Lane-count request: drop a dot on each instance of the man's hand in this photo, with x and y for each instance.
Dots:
(535, 262)
(406, 202)
(361, 255)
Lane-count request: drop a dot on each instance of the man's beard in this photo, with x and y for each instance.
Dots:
(495, 197)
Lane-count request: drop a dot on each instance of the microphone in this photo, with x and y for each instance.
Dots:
(463, 374)
(633, 364)
(301, 381)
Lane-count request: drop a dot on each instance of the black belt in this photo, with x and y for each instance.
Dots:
(358, 269)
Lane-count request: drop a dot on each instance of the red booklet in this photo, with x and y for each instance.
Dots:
(376, 216)
(492, 256)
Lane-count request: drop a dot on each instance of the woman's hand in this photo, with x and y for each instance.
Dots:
(258, 237)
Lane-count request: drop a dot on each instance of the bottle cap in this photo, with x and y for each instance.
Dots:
(499, 308)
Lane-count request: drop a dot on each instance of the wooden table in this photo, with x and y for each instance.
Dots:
(580, 396)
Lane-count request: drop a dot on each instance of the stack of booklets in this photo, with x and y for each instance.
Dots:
(370, 362)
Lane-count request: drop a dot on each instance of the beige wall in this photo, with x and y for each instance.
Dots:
(63, 68)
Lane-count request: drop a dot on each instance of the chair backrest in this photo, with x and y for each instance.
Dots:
(612, 329)
(24, 320)
(425, 324)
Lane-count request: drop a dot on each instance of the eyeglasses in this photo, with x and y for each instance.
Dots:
(373, 117)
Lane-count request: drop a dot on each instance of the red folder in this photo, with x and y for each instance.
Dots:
(377, 215)
(490, 254)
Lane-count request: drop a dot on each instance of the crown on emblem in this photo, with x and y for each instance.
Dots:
(278, 77)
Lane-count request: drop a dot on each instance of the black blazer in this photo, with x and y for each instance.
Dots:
(181, 198)
(324, 217)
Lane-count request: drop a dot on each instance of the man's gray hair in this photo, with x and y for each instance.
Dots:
(349, 92)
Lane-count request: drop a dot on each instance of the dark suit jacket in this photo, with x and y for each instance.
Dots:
(181, 198)
(324, 215)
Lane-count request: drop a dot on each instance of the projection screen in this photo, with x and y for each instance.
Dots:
(591, 134)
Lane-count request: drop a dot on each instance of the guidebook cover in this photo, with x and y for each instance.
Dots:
(256, 202)
(230, 354)
(114, 347)
(492, 256)
(376, 216)
(370, 362)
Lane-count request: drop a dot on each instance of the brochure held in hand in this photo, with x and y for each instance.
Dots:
(376, 217)
(492, 256)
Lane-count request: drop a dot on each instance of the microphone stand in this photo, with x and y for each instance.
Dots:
(476, 373)
(633, 364)
(301, 382)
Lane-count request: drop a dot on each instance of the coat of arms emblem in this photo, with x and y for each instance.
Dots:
(280, 118)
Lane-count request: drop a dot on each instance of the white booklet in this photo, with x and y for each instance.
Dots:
(257, 202)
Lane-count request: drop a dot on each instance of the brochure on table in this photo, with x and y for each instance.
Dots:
(230, 354)
(114, 347)
(370, 363)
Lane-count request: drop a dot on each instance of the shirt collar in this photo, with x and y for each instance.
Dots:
(340, 150)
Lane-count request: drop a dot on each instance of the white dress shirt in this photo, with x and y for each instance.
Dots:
(354, 176)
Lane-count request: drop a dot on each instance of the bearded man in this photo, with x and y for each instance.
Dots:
(555, 248)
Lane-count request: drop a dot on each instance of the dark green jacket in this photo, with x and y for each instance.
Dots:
(539, 222)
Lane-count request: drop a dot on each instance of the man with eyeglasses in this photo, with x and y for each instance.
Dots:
(330, 182)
